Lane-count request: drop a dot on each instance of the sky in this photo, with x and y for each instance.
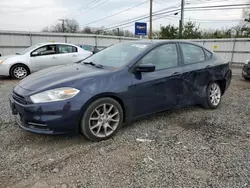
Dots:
(34, 15)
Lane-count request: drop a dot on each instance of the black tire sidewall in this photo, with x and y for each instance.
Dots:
(208, 102)
(84, 123)
(13, 75)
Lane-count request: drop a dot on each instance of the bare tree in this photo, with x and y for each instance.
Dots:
(87, 30)
(70, 26)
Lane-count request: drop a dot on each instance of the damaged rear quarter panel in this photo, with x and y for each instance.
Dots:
(196, 77)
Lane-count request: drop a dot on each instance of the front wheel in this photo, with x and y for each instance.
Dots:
(19, 72)
(213, 96)
(102, 119)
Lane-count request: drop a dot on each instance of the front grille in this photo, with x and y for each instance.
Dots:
(18, 98)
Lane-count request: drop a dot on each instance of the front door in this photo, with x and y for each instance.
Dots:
(44, 57)
(161, 89)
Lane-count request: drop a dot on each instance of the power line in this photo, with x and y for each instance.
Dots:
(116, 13)
(138, 19)
(91, 8)
(205, 20)
(146, 15)
(187, 9)
(83, 7)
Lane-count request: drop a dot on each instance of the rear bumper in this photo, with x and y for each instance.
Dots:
(228, 79)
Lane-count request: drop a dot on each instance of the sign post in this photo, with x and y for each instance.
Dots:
(140, 28)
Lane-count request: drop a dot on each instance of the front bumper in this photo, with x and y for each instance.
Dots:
(246, 71)
(4, 69)
(49, 118)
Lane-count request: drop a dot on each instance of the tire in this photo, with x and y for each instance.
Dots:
(94, 123)
(19, 71)
(212, 100)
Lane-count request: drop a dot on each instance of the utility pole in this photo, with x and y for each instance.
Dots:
(63, 24)
(181, 20)
(118, 31)
(150, 20)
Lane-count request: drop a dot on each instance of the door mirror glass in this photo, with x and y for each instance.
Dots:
(145, 68)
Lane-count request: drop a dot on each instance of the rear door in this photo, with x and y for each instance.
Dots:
(44, 57)
(197, 64)
(158, 90)
(67, 54)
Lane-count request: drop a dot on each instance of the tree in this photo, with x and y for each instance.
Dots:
(168, 32)
(191, 31)
(87, 30)
(70, 26)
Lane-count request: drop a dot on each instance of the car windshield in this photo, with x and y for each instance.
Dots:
(28, 49)
(117, 55)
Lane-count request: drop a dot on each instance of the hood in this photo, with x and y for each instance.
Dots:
(8, 56)
(59, 75)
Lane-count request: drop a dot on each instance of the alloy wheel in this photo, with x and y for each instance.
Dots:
(20, 72)
(104, 120)
(215, 94)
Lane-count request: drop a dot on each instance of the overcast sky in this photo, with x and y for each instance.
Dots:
(33, 15)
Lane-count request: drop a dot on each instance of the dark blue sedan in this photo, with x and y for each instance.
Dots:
(121, 83)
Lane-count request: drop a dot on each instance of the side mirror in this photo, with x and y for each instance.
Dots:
(145, 68)
(34, 53)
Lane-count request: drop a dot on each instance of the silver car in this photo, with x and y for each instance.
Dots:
(39, 57)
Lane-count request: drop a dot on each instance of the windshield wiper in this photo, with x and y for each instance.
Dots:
(93, 64)
(17, 53)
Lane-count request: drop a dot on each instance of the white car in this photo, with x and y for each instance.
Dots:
(39, 57)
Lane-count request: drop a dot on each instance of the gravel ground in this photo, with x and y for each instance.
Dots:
(191, 147)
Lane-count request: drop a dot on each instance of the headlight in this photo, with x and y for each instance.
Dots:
(247, 62)
(53, 95)
(1, 61)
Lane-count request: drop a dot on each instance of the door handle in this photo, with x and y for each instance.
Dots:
(208, 66)
(54, 57)
(176, 74)
(74, 55)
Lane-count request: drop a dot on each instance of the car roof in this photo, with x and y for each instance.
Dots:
(147, 41)
(48, 43)
(157, 42)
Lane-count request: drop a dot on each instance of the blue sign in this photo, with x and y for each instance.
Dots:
(140, 28)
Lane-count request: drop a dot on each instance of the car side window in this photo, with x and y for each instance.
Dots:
(192, 53)
(66, 49)
(163, 57)
(45, 50)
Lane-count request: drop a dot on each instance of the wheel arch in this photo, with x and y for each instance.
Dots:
(19, 64)
(99, 96)
(222, 84)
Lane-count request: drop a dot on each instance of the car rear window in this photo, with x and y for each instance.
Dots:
(66, 49)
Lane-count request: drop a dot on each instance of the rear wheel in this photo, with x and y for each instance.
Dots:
(19, 72)
(102, 119)
(213, 96)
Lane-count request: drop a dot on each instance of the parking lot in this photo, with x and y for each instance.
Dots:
(190, 147)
